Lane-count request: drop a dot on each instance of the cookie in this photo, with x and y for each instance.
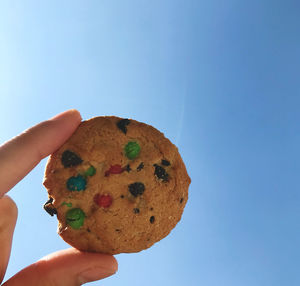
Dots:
(116, 186)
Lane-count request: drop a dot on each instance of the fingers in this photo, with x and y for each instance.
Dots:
(66, 268)
(21, 154)
(8, 218)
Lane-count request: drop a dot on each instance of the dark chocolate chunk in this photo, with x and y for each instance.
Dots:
(48, 207)
(117, 230)
(151, 209)
(165, 162)
(122, 125)
(122, 197)
(136, 189)
(136, 210)
(161, 173)
(152, 219)
(88, 230)
(50, 210)
(181, 200)
(70, 159)
(50, 201)
(127, 168)
(140, 167)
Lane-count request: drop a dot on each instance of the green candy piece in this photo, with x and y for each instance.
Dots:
(91, 171)
(69, 205)
(75, 218)
(132, 150)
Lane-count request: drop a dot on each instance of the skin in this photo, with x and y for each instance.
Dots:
(66, 267)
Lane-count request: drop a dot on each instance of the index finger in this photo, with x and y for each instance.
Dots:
(21, 154)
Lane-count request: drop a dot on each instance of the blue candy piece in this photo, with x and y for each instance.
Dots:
(77, 183)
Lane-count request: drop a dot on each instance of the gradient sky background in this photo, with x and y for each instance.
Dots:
(219, 78)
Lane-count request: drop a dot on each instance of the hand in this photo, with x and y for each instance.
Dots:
(18, 157)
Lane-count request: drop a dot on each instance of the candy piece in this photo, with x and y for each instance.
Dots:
(136, 210)
(152, 219)
(115, 169)
(75, 218)
(77, 183)
(91, 171)
(161, 173)
(127, 168)
(48, 207)
(103, 201)
(132, 150)
(136, 189)
(70, 159)
(165, 162)
(140, 167)
(122, 125)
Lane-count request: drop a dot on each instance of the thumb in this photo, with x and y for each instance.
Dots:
(8, 218)
(68, 267)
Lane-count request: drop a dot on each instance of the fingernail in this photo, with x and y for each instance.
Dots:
(68, 112)
(94, 274)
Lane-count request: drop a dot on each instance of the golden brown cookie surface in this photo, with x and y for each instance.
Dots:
(116, 185)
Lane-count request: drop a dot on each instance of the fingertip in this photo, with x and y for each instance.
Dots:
(99, 270)
(93, 274)
(52, 133)
(8, 209)
(115, 264)
(70, 114)
(8, 219)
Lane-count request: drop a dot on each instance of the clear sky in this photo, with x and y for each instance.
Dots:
(219, 78)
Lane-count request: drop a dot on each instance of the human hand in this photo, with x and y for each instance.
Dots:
(18, 157)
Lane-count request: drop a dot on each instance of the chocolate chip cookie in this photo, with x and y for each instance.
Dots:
(116, 186)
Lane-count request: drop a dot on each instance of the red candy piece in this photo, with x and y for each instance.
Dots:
(103, 201)
(114, 169)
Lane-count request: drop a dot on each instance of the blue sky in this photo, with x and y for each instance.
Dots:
(219, 78)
